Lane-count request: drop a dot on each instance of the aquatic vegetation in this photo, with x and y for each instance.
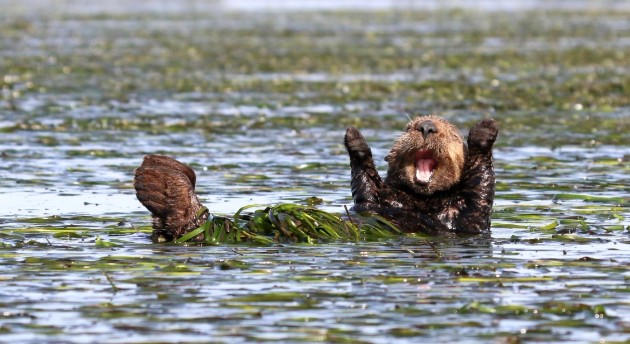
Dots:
(290, 223)
(258, 102)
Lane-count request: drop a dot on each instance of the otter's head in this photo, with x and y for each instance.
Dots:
(428, 157)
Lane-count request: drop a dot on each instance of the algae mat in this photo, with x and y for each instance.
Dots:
(257, 102)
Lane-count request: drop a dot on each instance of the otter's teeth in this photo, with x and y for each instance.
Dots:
(424, 169)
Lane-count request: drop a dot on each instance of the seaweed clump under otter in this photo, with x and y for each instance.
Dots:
(435, 185)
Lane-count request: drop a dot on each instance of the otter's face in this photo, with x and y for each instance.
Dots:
(427, 157)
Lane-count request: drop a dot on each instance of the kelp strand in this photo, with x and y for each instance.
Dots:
(289, 223)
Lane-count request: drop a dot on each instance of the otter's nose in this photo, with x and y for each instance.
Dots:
(426, 128)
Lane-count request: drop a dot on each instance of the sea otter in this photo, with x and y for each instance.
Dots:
(435, 184)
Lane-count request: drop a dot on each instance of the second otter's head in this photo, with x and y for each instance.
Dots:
(428, 157)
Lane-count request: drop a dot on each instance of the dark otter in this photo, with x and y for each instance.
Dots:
(435, 184)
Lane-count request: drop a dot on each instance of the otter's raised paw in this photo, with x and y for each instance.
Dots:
(355, 144)
(483, 135)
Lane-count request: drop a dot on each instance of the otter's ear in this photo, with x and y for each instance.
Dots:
(391, 156)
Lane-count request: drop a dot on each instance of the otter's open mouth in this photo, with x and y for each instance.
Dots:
(425, 164)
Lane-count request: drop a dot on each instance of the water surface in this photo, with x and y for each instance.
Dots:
(257, 103)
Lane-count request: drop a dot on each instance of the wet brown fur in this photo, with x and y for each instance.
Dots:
(459, 197)
(447, 147)
(166, 187)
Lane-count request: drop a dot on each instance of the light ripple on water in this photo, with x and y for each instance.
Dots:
(558, 254)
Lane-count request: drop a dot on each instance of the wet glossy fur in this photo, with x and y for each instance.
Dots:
(446, 145)
(455, 201)
(166, 187)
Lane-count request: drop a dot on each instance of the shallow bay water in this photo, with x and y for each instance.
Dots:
(257, 103)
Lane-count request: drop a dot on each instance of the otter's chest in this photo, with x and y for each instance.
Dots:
(443, 206)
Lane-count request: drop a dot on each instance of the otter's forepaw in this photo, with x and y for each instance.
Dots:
(483, 135)
(355, 144)
(166, 188)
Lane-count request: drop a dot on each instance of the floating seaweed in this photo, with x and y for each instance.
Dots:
(290, 223)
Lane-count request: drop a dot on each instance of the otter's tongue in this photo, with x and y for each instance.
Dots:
(424, 166)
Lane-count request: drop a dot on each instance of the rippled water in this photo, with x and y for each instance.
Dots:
(257, 103)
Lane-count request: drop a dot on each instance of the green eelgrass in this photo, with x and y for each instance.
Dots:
(289, 223)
